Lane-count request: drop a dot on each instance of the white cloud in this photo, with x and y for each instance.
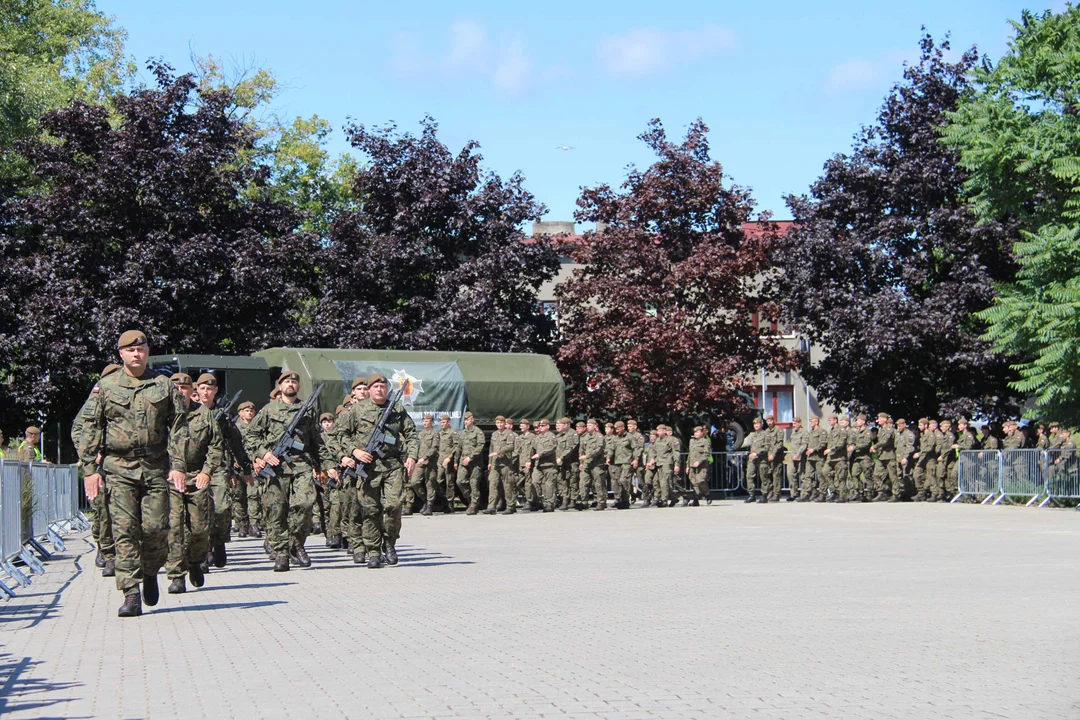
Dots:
(646, 51)
(470, 54)
(856, 74)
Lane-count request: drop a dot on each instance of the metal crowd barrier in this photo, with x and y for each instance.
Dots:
(49, 497)
(979, 475)
(1062, 475)
(728, 472)
(1029, 473)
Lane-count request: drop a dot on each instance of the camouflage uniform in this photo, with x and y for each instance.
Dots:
(946, 461)
(382, 492)
(817, 440)
(699, 453)
(100, 528)
(859, 476)
(836, 463)
(592, 469)
(332, 496)
(426, 470)
(190, 517)
(799, 481)
(775, 466)
(638, 473)
(885, 465)
(523, 450)
(623, 454)
(468, 475)
(664, 453)
(235, 463)
(289, 495)
(905, 449)
(965, 440)
(567, 459)
(247, 505)
(444, 479)
(757, 467)
(925, 464)
(545, 472)
(501, 474)
(649, 478)
(140, 427)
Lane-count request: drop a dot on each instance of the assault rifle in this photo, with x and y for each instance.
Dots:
(288, 446)
(379, 439)
(223, 410)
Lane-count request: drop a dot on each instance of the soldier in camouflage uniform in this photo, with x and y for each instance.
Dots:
(247, 502)
(623, 462)
(860, 440)
(427, 464)
(291, 493)
(577, 474)
(100, 528)
(775, 457)
(331, 495)
(799, 438)
(381, 493)
(591, 455)
(139, 430)
(885, 465)
(925, 460)
(817, 440)
(758, 441)
(649, 477)
(639, 454)
(965, 440)
(566, 454)
(471, 463)
(523, 450)
(545, 453)
(500, 476)
(443, 486)
(905, 452)
(698, 454)
(191, 511)
(836, 459)
(946, 457)
(667, 465)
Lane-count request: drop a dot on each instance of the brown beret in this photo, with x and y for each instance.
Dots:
(796, 419)
(883, 414)
(500, 418)
(326, 416)
(524, 421)
(32, 430)
(358, 382)
(338, 409)
(110, 369)
(631, 421)
(509, 419)
(565, 420)
(180, 379)
(207, 379)
(619, 424)
(245, 405)
(375, 378)
(901, 420)
(131, 338)
(288, 374)
(594, 421)
(542, 421)
(580, 424)
(444, 416)
(468, 414)
(429, 416)
(275, 394)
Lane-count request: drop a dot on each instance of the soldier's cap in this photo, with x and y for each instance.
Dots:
(131, 338)
(338, 409)
(757, 421)
(620, 424)
(110, 369)
(542, 421)
(609, 424)
(32, 430)
(509, 420)
(946, 421)
(860, 416)
(275, 394)
(524, 421)
(444, 416)
(180, 379)
(580, 424)
(564, 420)
(699, 428)
(357, 382)
(593, 421)
(630, 421)
(468, 414)
(500, 418)
(245, 405)
(326, 416)
(207, 379)
(901, 420)
(962, 420)
(770, 416)
(883, 415)
(288, 375)
(1054, 424)
(376, 378)
(429, 416)
(796, 419)
(834, 416)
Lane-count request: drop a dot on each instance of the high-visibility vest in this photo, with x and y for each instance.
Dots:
(37, 453)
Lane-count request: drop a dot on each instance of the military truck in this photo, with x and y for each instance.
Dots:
(488, 384)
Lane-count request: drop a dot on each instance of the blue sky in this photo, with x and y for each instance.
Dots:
(782, 85)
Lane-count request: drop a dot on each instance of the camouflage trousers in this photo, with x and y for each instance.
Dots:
(545, 480)
(468, 481)
(836, 476)
(333, 513)
(380, 497)
(139, 513)
(351, 527)
(664, 477)
(501, 485)
(220, 508)
(812, 476)
(860, 475)
(101, 528)
(287, 506)
(885, 472)
(647, 486)
(246, 506)
(759, 475)
(594, 478)
(566, 486)
(189, 528)
(319, 507)
(622, 482)
(925, 474)
(798, 481)
(699, 480)
(445, 484)
(945, 478)
(419, 482)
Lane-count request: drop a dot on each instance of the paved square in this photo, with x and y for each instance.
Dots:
(777, 611)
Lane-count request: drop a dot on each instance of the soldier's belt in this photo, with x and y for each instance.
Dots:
(138, 452)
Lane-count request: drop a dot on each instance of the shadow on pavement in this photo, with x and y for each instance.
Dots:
(214, 606)
(36, 613)
(15, 685)
(247, 586)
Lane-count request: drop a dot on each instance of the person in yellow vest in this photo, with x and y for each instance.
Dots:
(28, 448)
(1, 445)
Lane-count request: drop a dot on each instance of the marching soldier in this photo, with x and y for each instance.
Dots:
(836, 459)
(859, 442)
(140, 431)
(566, 456)
(698, 455)
(500, 475)
(667, 465)
(331, 495)
(444, 481)
(799, 440)
(905, 454)
(775, 457)
(816, 443)
(639, 456)
(545, 453)
(946, 459)
(523, 450)
(885, 465)
(757, 469)
(649, 478)
(925, 465)
(471, 463)
(289, 495)
(591, 456)
(965, 440)
(247, 508)
(382, 491)
(623, 462)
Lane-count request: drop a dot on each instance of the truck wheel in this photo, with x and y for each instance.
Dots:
(736, 433)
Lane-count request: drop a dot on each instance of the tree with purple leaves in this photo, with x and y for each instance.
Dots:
(886, 263)
(659, 320)
(433, 256)
(142, 222)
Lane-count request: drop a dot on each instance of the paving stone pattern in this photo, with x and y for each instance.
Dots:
(730, 611)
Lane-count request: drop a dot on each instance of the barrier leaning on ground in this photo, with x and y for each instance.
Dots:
(49, 496)
(1027, 475)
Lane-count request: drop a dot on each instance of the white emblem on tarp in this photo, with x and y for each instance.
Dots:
(411, 387)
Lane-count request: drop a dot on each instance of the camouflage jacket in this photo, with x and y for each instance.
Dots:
(545, 446)
(592, 448)
(664, 453)
(204, 448)
(139, 425)
(927, 444)
(448, 446)
(566, 453)
(966, 440)
(905, 444)
(472, 443)
(639, 445)
(698, 452)
(836, 448)
(885, 446)
(817, 440)
(758, 441)
(800, 440)
(861, 439)
(353, 430)
(269, 426)
(428, 445)
(1014, 441)
(523, 449)
(623, 450)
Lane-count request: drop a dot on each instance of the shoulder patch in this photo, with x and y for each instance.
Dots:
(97, 389)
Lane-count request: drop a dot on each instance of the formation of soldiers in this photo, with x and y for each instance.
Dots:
(887, 461)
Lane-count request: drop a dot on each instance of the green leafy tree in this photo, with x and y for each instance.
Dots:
(1018, 135)
(53, 52)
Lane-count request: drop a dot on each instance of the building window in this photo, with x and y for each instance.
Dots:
(776, 329)
(779, 401)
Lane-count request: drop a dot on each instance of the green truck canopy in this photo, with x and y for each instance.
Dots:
(488, 384)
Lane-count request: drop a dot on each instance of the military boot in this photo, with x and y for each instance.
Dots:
(894, 498)
(196, 574)
(508, 511)
(391, 555)
(110, 568)
(373, 560)
(218, 553)
(177, 586)
(426, 510)
(301, 556)
(407, 510)
(99, 561)
(282, 563)
(471, 510)
(749, 498)
(334, 542)
(242, 530)
(359, 557)
(489, 511)
(132, 606)
(150, 590)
